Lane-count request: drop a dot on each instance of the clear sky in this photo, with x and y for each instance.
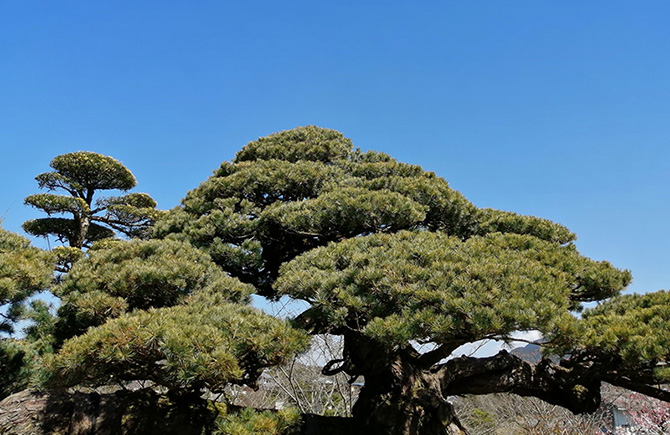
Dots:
(558, 109)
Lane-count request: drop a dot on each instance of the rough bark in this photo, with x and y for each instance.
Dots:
(576, 388)
(404, 396)
(404, 400)
(399, 397)
(83, 224)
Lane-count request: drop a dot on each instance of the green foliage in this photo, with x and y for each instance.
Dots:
(302, 143)
(206, 343)
(249, 421)
(15, 366)
(384, 248)
(132, 214)
(127, 275)
(139, 200)
(86, 171)
(265, 182)
(160, 311)
(66, 230)
(385, 253)
(50, 203)
(431, 287)
(343, 213)
(507, 222)
(21, 359)
(66, 256)
(634, 328)
(151, 273)
(300, 189)
(78, 312)
(290, 192)
(39, 333)
(446, 209)
(81, 175)
(24, 270)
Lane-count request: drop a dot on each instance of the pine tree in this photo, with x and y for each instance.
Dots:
(81, 175)
(24, 270)
(161, 311)
(388, 256)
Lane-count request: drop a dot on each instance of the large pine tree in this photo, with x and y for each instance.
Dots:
(389, 256)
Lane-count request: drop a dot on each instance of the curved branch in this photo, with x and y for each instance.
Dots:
(575, 389)
(645, 389)
(439, 353)
(328, 369)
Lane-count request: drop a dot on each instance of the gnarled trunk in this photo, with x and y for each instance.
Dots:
(405, 392)
(398, 397)
(405, 401)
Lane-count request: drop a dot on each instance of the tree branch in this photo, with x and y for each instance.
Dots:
(330, 369)
(438, 354)
(645, 389)
(575, 389)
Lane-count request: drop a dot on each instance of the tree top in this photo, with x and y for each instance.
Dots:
(302, 143)
(86, 170)
(300, 189)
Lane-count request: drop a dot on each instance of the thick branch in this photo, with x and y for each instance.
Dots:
(645, 389)
(573, 389)
(330, 369)
(439, 353)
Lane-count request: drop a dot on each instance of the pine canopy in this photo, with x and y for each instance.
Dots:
(386, 255)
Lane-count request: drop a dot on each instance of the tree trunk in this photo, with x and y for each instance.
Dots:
(83, 223)
(404, 401)
(398, 397)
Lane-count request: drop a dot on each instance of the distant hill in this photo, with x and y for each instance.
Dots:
(530, 352)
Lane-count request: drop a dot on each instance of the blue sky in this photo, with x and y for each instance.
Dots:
(556, 109)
